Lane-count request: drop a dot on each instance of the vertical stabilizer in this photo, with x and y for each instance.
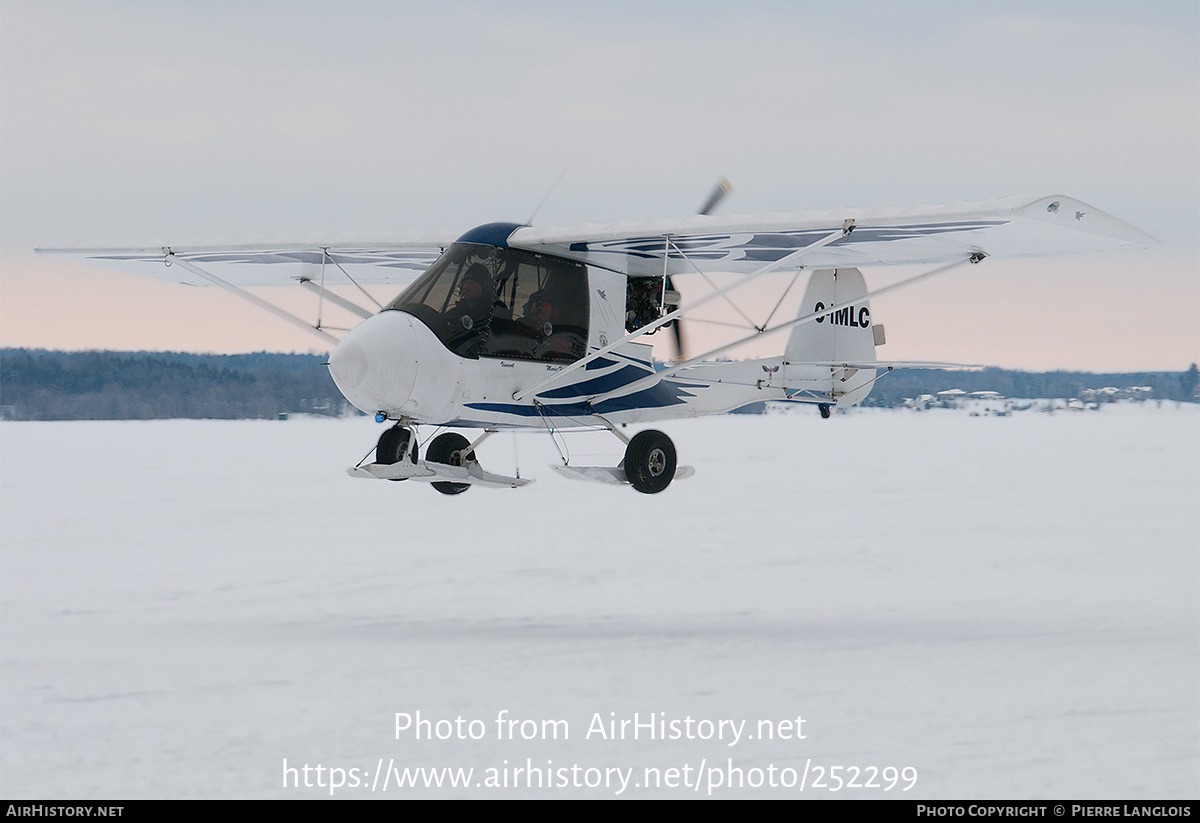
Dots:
(844, 336)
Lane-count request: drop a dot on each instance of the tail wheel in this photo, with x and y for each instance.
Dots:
(650, 461)
(392, 445)
(450, 449)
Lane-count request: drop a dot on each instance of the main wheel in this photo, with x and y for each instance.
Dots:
(450, 449)
(391, 445)
(650, 461)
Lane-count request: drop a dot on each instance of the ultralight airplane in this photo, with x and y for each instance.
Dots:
(519, 326)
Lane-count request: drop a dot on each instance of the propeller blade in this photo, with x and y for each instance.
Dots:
(677, 327)
(718, 194)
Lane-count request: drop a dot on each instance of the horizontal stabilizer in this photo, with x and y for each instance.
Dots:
(889, 365)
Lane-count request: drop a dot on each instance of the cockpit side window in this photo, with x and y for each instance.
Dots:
(542, 309)
(494, 302)
(455, 297)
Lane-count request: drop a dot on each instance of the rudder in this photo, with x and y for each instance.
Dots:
(846, 335)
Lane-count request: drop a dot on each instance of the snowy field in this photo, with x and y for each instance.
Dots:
(1006, 605)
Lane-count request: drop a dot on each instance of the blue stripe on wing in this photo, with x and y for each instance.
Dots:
(768, 246)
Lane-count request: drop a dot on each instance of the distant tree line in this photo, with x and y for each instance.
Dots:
(892, 389)
(49, 385)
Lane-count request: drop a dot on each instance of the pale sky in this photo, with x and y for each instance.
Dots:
(151, 123)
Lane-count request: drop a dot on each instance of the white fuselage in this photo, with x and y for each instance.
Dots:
(397, 365)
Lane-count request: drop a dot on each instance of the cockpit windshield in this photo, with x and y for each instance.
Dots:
(498, 302)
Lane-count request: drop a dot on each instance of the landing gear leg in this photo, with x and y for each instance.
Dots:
(824, 407)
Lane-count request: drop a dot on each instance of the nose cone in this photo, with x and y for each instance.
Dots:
(375, 365)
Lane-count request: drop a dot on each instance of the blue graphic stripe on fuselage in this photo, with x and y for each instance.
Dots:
(598, 385)
(658, 396)
(600, 363)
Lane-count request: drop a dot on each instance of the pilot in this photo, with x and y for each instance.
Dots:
(474, 297)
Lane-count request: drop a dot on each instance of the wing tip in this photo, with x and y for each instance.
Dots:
(1066, 211)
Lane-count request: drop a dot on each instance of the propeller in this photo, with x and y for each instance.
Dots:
(718, 194)
(723, 188)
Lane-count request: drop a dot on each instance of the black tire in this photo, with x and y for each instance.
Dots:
(650, 461)
(449, 449)
(391, 445)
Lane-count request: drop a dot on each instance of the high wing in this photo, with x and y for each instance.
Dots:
(395, 263)
(1011, 227)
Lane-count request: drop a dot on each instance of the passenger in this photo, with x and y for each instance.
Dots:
(554, 342)
(539, 315)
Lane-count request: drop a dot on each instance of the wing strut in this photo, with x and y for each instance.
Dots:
(330, 257)
(650, 380)
(669, 316)
(337, 299)
(711, 284)
(170, 258)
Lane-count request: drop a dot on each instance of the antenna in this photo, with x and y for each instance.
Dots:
(538, 208)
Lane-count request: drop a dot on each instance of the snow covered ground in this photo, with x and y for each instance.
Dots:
(1006, 605)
